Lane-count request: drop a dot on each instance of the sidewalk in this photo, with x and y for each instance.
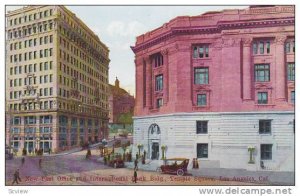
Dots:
(74, 150)
(260, 177)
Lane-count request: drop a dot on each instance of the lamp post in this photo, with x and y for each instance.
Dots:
(140, 147)
(251, 149)
(163, 149)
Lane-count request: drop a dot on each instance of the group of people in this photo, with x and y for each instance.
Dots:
(35, 151)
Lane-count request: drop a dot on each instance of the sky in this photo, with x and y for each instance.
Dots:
(118, 26)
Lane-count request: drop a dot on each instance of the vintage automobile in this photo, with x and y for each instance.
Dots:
(176, 166)
(116, 161)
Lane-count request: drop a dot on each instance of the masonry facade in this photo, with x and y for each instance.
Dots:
(216, 85)
(121, 106)
(56, 80)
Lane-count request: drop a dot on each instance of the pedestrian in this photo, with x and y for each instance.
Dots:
(135, 176)
(88, 154)
(49, 151)
(136, 156)
(40, 162)
(16, 177)
(136, 164)
(23, 160)
(24, 152)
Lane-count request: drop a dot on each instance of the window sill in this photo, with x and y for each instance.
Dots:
(199, 108)
(203, 158)
(264, 105)
(265, 134)
(154, 110)
(200, 59)
(262, 55)
(158, 68)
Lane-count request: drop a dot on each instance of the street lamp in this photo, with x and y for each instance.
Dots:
(37, 140)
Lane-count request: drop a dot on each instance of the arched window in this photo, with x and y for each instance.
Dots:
(154, 128)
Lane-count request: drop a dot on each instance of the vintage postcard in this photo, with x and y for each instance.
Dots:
(149, 95)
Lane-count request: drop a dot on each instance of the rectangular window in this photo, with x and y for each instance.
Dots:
(157, 60)
(50, 91)
(201, 99)
(159, 102)
(159, 83)
(287, 47)
(30, 68)
(30, 120)
(266, 152)
(201, 51)
(45, 78)
(201, 75)
(202, 150)
(46, 66)
(293, 97)
(262, 72)
(45, 91)
(195, 52)
(291, 71)
(261, 47)
(201, 127)
(16, 120)
(46, 52)
(268, 47)
(293, 46)
(46, 119)
(264, 126)
(262, 98)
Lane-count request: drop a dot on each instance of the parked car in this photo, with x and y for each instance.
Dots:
(116, 161)
(176, 166)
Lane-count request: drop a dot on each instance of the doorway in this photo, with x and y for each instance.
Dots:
(155, 151)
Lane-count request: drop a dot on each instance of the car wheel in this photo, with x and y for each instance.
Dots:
(159, 170)
(180, 172)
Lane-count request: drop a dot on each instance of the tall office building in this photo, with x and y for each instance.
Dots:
(219, 87)
(56, 80)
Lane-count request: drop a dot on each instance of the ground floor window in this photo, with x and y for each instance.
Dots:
(201, 99)
(266, 151)
(202, 150)
(262, 98)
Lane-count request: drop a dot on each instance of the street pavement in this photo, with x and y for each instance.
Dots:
(72, 168)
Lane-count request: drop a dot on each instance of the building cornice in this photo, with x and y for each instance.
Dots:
(222, 25)
(180, 114)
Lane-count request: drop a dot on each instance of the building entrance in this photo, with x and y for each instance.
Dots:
(155, 151)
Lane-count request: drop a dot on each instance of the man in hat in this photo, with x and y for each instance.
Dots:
(16, 177)
(135, 175)
(136, 164)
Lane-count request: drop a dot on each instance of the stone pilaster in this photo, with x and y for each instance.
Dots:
(166, 76)
(149, 84)
(280, 68)
(247, 69)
